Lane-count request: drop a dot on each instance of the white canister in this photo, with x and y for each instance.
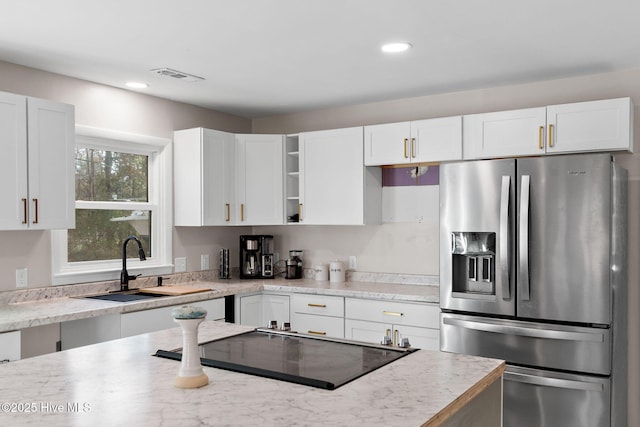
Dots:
(336, 272)
(322, 272)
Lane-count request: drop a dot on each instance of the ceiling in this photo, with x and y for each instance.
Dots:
(267, 57)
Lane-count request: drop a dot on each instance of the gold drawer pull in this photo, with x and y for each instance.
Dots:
(241, 211)
(316, 333)
(317, 305)
(550, 136)
(413, 148)
(405, 148)
(392, 313)
(228, 206)
(35, 204)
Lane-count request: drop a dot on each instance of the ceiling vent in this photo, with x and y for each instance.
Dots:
(179, 75)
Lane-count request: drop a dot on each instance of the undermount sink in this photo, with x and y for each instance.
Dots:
(126, 296)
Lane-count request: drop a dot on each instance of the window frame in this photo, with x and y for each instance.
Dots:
(160, 199)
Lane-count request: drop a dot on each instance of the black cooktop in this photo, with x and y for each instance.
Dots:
(319, 362)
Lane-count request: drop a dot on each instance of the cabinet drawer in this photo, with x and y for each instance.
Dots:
(318, 304)
(318, 325)
(398, 313)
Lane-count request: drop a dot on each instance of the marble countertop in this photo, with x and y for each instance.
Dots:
(35, 307)
(120, 383)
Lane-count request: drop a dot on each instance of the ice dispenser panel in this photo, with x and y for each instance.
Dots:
(473, 264)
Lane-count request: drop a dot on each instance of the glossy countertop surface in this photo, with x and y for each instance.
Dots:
(119, 383)
(42, 306)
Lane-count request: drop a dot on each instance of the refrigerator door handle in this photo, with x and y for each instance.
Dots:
(553, 382)
(525, 332)
(504, 237)
(523, 238)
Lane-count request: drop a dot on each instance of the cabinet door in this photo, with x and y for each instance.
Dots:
(157, 319)
(436, 140)
(218, 198)
(332, 187)
(13, 162)
(505, 133)
(51, 142)
(260, 179)
(251, 310)
(361, 330)
(275, 307)
(424, 338)
(387, 144)
(10, 346)
(93, 330)
(590, 126)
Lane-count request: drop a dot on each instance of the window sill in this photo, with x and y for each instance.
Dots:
(74, 277)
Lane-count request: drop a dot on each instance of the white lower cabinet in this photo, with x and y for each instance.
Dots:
(157, 319)
(259, 309)
(370, 320)
(10, 346)
(81, 332)
(321, 315)
(93, 330)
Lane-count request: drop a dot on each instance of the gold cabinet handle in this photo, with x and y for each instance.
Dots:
(299, 212)
(550, 136)
(392, 313)
(413, 148)
(405, 148)
(317, 305)
(241, 211)
(228, 206)
(316, 333)
(35, 204)
(541, 137)
(24, 211)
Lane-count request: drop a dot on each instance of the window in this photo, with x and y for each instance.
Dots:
(123, 187)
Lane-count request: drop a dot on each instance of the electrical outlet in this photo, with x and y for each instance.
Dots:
(180, 265)
(352, 262)
(204, 262)
(22, 278)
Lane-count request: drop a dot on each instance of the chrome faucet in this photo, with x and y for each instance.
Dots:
(124, 274)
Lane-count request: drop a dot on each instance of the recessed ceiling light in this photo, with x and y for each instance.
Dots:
(137, 85)
(396, 47)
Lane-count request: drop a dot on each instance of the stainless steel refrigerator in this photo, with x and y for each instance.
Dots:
(533, 271)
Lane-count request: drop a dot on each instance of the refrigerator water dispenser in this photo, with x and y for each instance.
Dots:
(473, 256)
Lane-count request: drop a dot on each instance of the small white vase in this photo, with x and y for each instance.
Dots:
(190, 374)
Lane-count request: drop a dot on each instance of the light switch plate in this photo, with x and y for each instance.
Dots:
(204, 262)
(22, 278)
(180, 265)
(353, 264)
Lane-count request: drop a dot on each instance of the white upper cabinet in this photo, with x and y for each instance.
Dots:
(420, 141)
(260, 179)
(335, 187)
(569, 128)
(204, 177)
(221, 178)
(37, 165)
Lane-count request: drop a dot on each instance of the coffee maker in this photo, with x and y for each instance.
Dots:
(256, 257)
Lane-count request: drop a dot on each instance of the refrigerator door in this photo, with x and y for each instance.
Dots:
(564, 222)
(561, 347)
(477, 230)
(534, 397)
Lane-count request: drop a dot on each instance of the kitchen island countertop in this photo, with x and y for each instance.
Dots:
(120, 383)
